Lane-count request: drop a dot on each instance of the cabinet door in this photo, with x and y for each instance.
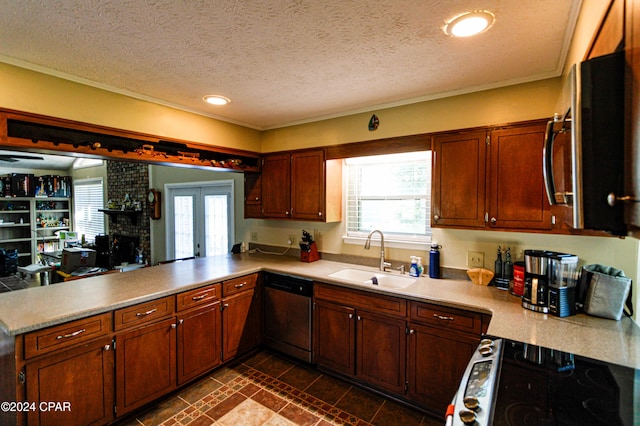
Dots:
(516, 185)
(458, 187)
(145, 364)
(240, 325)
(632, 93)
(381, 351)
(252, 195)
(199, 341)
(436, 362)
(308, 185)
(276, 185)
(79, 380)
(334, 337)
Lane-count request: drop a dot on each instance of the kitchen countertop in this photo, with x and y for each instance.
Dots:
(35, 308)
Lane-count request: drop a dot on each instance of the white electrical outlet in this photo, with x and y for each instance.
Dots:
(291, 240)
(475, 259)
(254, 236)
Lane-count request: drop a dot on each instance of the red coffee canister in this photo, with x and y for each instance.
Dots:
(518, 279)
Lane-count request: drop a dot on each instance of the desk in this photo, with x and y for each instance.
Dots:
(69, 277)
(34, 269)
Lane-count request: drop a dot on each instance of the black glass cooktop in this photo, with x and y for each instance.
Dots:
(539, 386)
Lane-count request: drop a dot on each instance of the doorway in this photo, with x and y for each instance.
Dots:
(200, 219)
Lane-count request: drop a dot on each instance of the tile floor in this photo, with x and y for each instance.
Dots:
(268, 389)
(13, 283)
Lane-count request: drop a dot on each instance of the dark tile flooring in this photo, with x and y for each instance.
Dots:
(268, 389)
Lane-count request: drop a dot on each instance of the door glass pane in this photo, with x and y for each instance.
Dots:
(216, 224)
(183, 225)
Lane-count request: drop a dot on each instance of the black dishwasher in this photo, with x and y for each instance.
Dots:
(287, 314)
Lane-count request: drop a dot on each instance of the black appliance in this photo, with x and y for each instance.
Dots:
(584, 149)
(287, 315)
(513, 383)
(124, 249)
(550, 282)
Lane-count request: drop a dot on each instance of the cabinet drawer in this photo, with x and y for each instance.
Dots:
(237, 285)
(361, 299)
(446, 317)
(198, 297)
(65, 335)
(143, 313)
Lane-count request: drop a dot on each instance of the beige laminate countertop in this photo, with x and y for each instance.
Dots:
(35, 308)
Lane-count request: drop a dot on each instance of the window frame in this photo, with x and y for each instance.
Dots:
(394, 240)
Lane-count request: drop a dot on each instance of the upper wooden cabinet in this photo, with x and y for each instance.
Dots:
(300, 185)
(516, 193)
(490, 178)
(458, 181)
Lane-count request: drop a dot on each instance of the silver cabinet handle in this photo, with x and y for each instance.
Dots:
(436, 217)
(350, 316)
(493, 220)
(359, 318)
(174, 325)
(412, 331)
(74, 334)
(319, 213)
(196, 298)
(443, 318)
(612, 198)
(240, 285)
(107, 347)
(144, 314)
(180, 322)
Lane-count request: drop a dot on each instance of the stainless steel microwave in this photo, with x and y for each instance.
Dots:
(584, 148)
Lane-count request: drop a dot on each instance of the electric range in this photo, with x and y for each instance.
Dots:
(513, 383)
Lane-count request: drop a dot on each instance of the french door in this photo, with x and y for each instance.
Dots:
(200, 219)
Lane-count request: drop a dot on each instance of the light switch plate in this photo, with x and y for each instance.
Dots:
(475, 259)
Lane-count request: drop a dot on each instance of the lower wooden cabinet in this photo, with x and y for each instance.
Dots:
(381, 350)
(357, 342)
(240, 323)
(199, 341)
(335, 337)
(145, 364)
(436, 360)
(414, 350)
(80, 380)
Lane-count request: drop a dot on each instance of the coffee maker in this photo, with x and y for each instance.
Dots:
(549, 282)
(562, 284)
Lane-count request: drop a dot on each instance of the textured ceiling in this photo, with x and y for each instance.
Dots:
(285, 61)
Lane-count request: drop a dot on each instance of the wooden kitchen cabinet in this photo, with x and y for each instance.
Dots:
(458, 184)
(335, 337)
(351, 326)
(276, 186)
(80, 379)
(301, 185)
(241, 316)
(145, 364)
(490, 179)
(252, 195)
(441, 341)
(199, 332)
(516, 192)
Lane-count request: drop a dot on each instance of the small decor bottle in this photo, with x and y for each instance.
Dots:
(413, 269)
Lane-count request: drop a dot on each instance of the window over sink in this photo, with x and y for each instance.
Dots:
(391, 193)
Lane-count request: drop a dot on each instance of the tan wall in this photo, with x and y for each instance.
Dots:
(29, 91)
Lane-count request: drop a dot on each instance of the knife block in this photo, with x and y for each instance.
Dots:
(310, 256)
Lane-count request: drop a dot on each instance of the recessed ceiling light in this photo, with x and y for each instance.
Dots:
(470, 23)
(216, 99)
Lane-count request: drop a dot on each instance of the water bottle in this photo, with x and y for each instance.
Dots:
(434, 261)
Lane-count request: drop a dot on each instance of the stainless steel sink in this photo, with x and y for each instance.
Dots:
(372, 277)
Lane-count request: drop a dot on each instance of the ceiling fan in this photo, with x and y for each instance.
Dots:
(14, 158)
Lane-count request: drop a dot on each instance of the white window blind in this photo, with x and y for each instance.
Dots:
(87, 199)
(391, 193)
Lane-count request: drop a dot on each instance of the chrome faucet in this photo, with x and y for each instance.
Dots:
(383, 265)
